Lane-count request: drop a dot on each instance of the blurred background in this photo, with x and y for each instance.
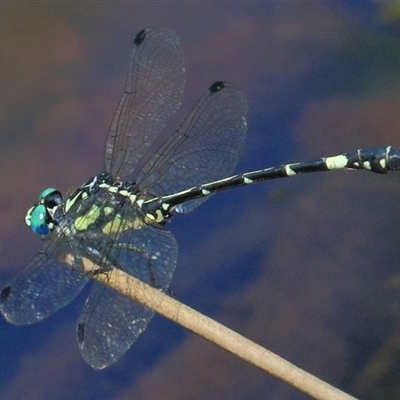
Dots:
(307, 267)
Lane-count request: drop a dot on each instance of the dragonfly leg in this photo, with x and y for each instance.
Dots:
(128, 247)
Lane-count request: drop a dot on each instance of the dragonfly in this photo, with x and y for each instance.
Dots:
(117, 219)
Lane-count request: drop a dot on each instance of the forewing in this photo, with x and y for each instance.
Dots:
(110, 322)
(153, 92)
(206, 146)
(44, 286)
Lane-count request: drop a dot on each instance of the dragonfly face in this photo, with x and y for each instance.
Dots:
(40, 217)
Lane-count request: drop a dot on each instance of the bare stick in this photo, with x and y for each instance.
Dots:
(217, 333)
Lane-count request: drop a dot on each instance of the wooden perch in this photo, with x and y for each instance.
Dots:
(217, 334)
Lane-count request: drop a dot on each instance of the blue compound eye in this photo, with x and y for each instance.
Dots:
(45, 193)
(40, 221)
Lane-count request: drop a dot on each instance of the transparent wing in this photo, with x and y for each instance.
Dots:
(110, 322)
(205, 147)
(153, 92)
(44, 286)
(109, 325)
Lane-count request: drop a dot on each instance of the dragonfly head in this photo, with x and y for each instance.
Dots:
(40, 217)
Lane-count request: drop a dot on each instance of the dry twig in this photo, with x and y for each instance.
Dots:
(218, 334)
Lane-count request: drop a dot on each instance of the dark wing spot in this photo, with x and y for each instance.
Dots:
(5, 293)
(216, 87)
(140, 37)
(81, 333)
